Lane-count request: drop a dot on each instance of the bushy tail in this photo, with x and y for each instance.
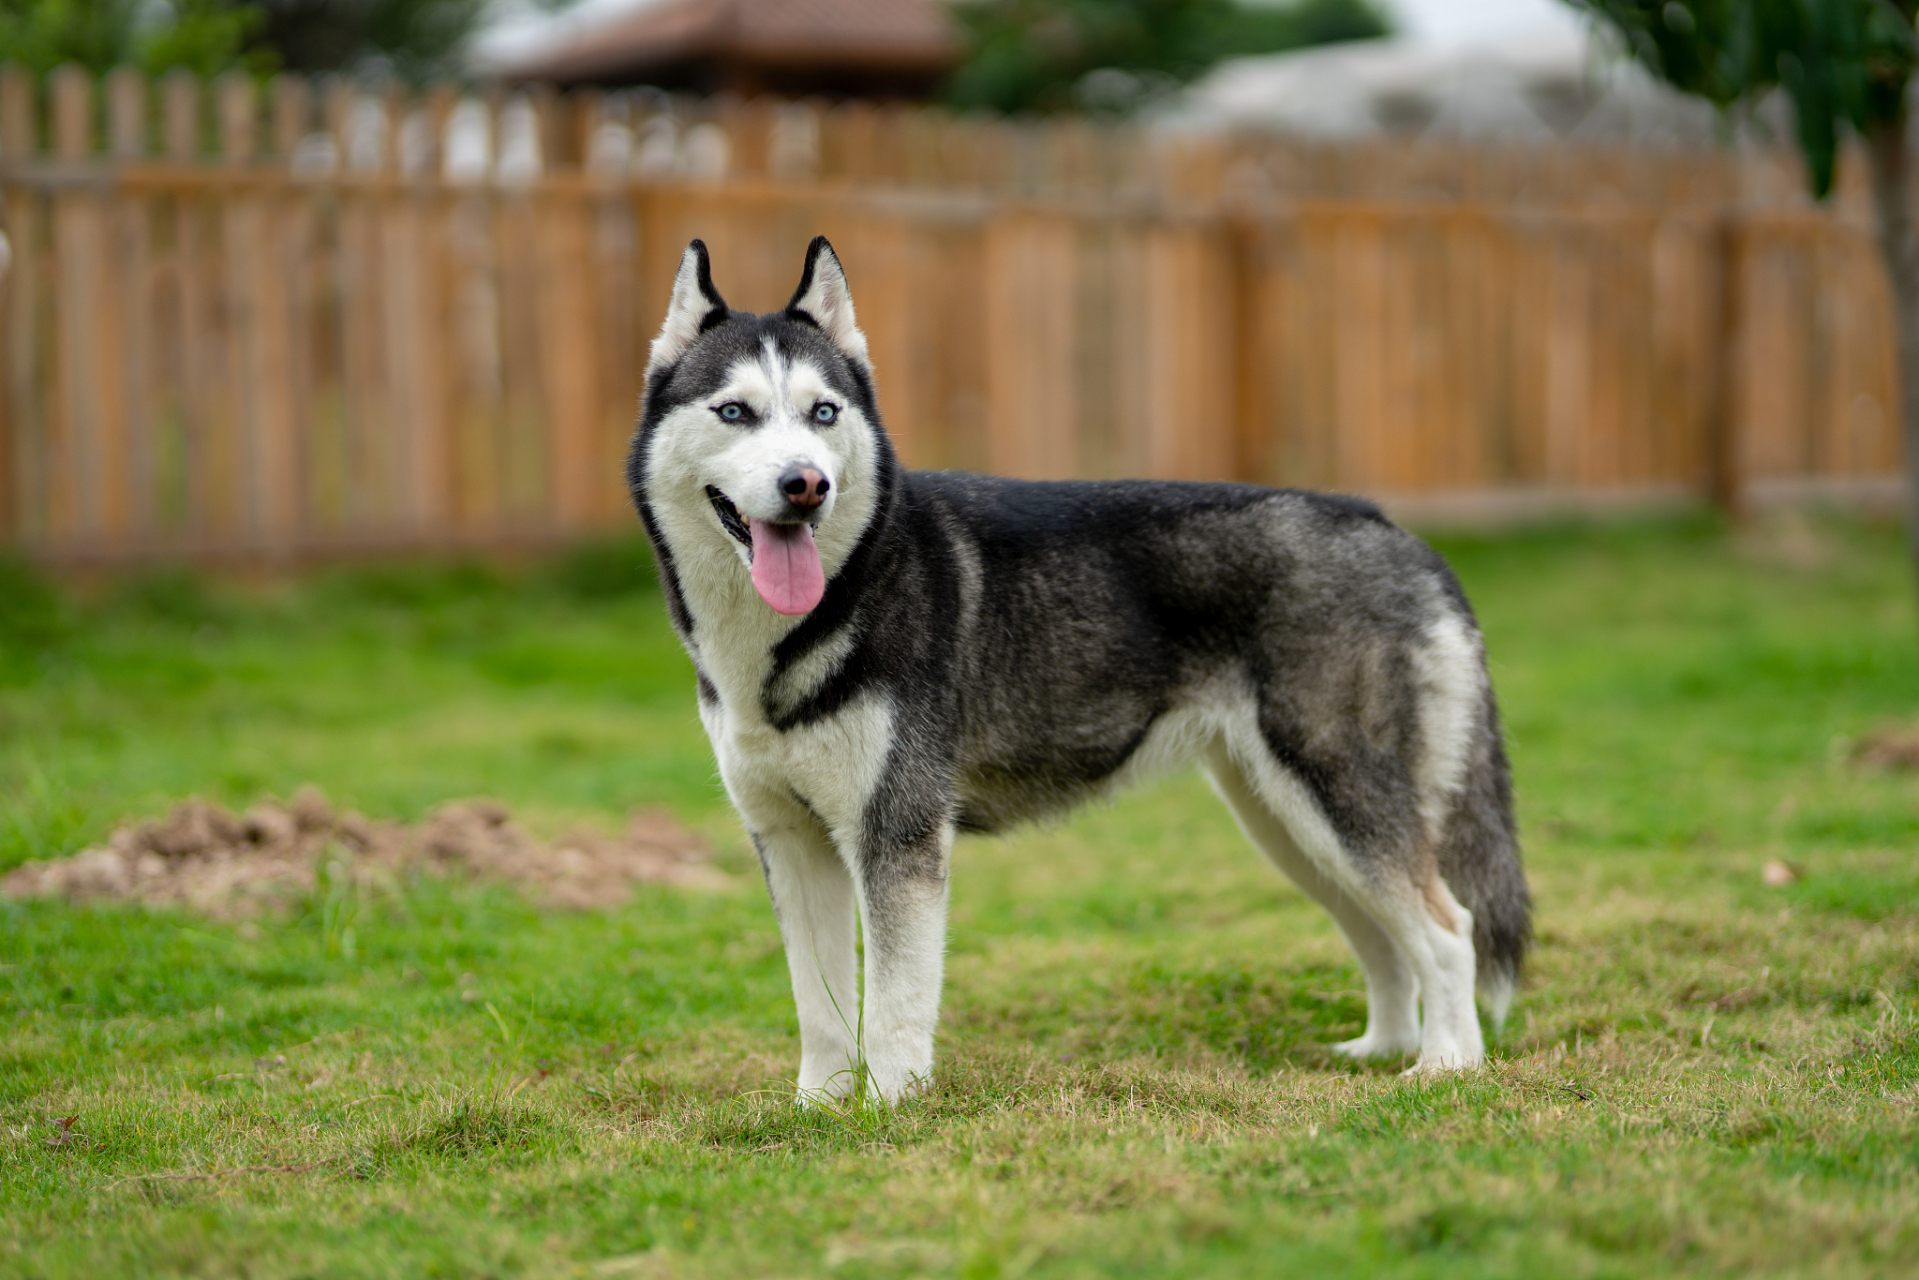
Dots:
(1479, 859)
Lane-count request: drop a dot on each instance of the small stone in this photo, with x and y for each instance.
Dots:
(1778, 874)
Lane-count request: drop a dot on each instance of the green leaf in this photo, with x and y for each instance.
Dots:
(1840, 62)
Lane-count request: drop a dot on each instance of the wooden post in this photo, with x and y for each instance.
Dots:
(586, 111)
(749, 130)
(72, 93)
(414, 248)
(73, 443)
(21, 494)
(291, 103)
(336, 106)
(180, 110)
(569, 357)
(551, 120)
(890, 143)
(1032, 400)
(925, 133)
(180, 139)
(441, 99)
(1726, 449)
(395, 103)
(1191, 378)
(126, 113)
(238, 113)
(256, 281)
(129, 432)
(851, 129)
(19, 130)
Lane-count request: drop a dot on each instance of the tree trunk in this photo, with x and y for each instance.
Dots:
(1899, 246)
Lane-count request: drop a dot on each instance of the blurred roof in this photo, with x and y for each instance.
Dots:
(712, 44)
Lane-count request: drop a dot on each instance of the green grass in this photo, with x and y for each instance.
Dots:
(1702, 1075)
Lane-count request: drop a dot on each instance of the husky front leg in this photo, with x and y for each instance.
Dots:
(813, 899)
(903, 914)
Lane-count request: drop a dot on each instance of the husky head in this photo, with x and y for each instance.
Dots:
(759, 457)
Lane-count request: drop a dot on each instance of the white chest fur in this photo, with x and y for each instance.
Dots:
(832, 764)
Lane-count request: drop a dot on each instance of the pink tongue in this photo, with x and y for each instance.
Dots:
(786, 566)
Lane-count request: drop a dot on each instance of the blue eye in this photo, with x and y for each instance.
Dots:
(825, 414)
(732, 411)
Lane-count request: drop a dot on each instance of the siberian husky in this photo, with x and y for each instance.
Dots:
(886, 657)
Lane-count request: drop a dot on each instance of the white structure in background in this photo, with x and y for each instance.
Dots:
(468, 150)
(514, 30)
(520, 160)
(1513, 70)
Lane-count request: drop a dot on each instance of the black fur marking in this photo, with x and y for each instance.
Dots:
(730, 517)
(703, 274)
(716, 313)
(766, 870)
(676, 610)
(807, 805)
(793, 309)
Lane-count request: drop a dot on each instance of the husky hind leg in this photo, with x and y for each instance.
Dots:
(1399, 898)
(1392, 992)
(1479, 860)
(1444, 957)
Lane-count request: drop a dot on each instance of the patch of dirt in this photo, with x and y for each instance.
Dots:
(1894, 746)
(219, 863)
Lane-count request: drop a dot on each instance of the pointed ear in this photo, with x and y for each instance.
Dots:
(822, 300)
(696, 306)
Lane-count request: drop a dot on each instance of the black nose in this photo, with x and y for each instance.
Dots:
(803, 486)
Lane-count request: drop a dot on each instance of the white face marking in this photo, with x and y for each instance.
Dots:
(693, 447)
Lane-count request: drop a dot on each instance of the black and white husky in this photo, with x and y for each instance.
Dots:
(887, 657)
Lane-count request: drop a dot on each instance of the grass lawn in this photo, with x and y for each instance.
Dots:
(1702, 1075)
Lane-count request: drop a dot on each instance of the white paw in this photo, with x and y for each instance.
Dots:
(1373, 1045)
(898, 1065)
(892, 1087)
(1433, 1064)
(829, 1079)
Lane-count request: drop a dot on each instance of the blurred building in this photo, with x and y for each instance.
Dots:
(793, 48)
(1493, 70)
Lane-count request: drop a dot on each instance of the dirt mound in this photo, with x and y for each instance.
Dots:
(219, 863)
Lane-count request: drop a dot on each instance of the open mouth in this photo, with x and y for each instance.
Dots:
(730, 518)
(784, 560)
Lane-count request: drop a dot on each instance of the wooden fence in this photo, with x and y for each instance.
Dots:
(315, 320)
